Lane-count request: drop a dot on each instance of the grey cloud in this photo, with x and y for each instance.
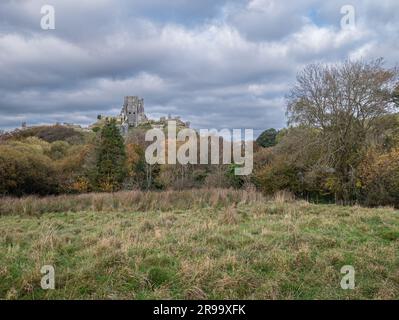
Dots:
(215, 63)
(269, 20)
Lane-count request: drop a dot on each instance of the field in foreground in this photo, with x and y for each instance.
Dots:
(203, 244)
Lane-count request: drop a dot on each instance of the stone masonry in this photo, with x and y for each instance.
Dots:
(132, 113)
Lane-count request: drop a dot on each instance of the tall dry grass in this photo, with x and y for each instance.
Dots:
(283, 196)
(129, 201)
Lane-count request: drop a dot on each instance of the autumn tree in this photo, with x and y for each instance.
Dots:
(344, 103)
(379, 176)
(136, 166)
(25, 169)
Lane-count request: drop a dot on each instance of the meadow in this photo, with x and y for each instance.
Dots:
(195, 244)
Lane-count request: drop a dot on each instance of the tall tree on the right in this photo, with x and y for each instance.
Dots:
(343, 103)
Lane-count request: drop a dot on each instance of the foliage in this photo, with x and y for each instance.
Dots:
(345, 103)
(234, 180)
(26, 170)
(278, 175)
(50, 133)
(379, 178)
(341, 145)
(268, 138)
(111, 158)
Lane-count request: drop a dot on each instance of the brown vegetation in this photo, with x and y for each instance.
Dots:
(341, 146)
(135, 200)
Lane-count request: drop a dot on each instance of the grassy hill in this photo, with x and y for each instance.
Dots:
(199, 244)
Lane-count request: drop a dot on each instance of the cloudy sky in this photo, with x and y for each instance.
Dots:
(215, 63)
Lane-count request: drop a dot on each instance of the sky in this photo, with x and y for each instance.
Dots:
(218, 64)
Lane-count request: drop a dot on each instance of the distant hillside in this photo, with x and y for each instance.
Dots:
(52, 133)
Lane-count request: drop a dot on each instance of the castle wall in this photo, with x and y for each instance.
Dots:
(133, 110)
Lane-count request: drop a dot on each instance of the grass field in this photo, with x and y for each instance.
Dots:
(202, 244)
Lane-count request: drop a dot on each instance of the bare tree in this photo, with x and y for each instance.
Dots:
(344, 103)
(396, 95)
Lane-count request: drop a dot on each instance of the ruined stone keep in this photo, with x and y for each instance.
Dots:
(132, 113)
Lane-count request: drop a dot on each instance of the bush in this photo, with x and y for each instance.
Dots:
(24, 171)
(277, 176)
(379, 179)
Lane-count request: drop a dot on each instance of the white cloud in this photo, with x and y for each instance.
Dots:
(214, 63)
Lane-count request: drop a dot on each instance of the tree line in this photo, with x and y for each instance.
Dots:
(341, 145)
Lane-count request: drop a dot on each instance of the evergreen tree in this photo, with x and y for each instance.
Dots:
(111, 158)
(268, 138)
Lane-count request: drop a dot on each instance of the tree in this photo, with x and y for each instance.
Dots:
(234, 180)
(24, 169)
(267, 138)
(277, 175)
(343, 102)
(379, 178)
(136, 166)
(111, 158)
(396, 95)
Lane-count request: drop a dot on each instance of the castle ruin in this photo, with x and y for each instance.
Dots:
(132, 113)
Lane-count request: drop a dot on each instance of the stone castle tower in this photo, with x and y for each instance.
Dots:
(132, 113)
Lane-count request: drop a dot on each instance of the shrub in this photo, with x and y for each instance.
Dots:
(277, 176)
(24, 171)
(379, 179)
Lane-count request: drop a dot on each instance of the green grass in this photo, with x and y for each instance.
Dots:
(253, 249)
